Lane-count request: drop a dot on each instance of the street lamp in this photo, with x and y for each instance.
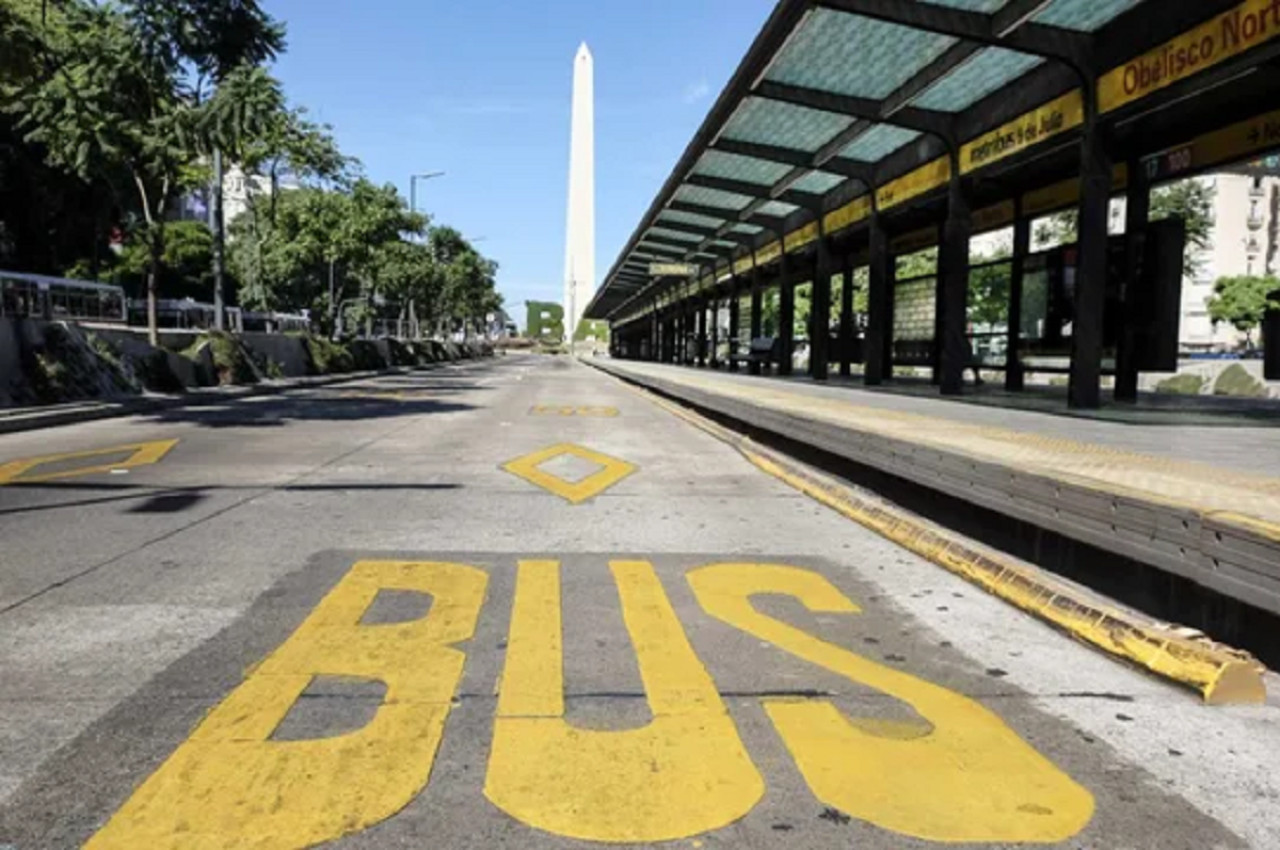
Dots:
(413, 187)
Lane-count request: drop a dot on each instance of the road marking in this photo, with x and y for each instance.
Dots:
(228, 785)
(685, 773)
(959, 774)
(612, 470)
(570, 410)
(15, 471)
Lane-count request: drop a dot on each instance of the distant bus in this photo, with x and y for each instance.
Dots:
(59, 299)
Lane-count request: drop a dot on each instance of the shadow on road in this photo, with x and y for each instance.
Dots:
(168, 500)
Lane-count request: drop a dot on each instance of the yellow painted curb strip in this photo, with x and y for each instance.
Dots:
(1224, 676)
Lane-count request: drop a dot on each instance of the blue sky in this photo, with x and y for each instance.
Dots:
(480, 89)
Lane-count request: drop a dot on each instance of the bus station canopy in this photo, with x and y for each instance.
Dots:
(845, 108)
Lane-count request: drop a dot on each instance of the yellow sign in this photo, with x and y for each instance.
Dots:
(768, 253)
(1032, 128)
(230, 785)
(1230, 143)
(141, 454)
(686, 772)
(924, 179)
(1248, 25)
(851, 213)
(797, 239)
(743, 265)
(953, 773)
(570, 410)
(993, 217)
(612, 470)
(1067, 192)
(916, 240)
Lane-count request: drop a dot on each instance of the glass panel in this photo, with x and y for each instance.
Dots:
(690, 218)
(878, 142)
(987, 6)
(712, 197)
(1087, 15)
(770, 122)
(781, 209)
(680, 235)
(749, 229)
(913, 322)
(848, 54)
(989, 313)
(984, 72)
(817, 182)
(731, 166)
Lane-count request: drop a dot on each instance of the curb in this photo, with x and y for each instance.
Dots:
(1223, 675)
(74, 413)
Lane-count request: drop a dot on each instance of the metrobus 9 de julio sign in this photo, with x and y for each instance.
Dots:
(1230, 34)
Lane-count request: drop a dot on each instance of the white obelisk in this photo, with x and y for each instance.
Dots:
(580, 237)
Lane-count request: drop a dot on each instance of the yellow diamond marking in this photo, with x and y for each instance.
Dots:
(612, 470)
(14, 472)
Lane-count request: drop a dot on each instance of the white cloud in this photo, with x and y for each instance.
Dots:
(695, 92)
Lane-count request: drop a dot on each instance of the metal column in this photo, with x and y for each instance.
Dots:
(879, 305)
(700, 332)
(1085, 389)
(846, 316)
(1013, 374)
(1137, 215)
(820, 311)
(786, 314)
(735, 306)
(953, 276)
(757, 308)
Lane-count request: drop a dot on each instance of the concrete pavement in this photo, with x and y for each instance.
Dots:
(344, 614)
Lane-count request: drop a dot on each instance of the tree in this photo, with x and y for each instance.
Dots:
(1191, 200)
(221, 43)
(1243, 302)
(115, 111)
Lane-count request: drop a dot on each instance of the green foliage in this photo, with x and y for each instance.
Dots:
(588, 328)
(1243, 302)
(1191, 200)
(1235, 380)
(1185, 384)
(548, 329)
(329, 358)
(232, 364)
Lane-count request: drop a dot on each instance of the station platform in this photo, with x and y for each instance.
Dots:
(1192, 492)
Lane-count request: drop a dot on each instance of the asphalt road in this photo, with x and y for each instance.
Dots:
(514, 603)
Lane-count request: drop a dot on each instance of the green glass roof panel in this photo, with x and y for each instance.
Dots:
(987, 6)
(724, 243)
(682, 217)
(680, 235)
(848, 54)
(1085, 15)
(983, 73)
(817, 182)
(747, 228)
(780, 209)
(713, 198)
(771, 122)
(878, 142)
(748, 169)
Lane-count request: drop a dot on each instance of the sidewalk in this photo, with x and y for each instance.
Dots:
(1202, 502)
(16, 419)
